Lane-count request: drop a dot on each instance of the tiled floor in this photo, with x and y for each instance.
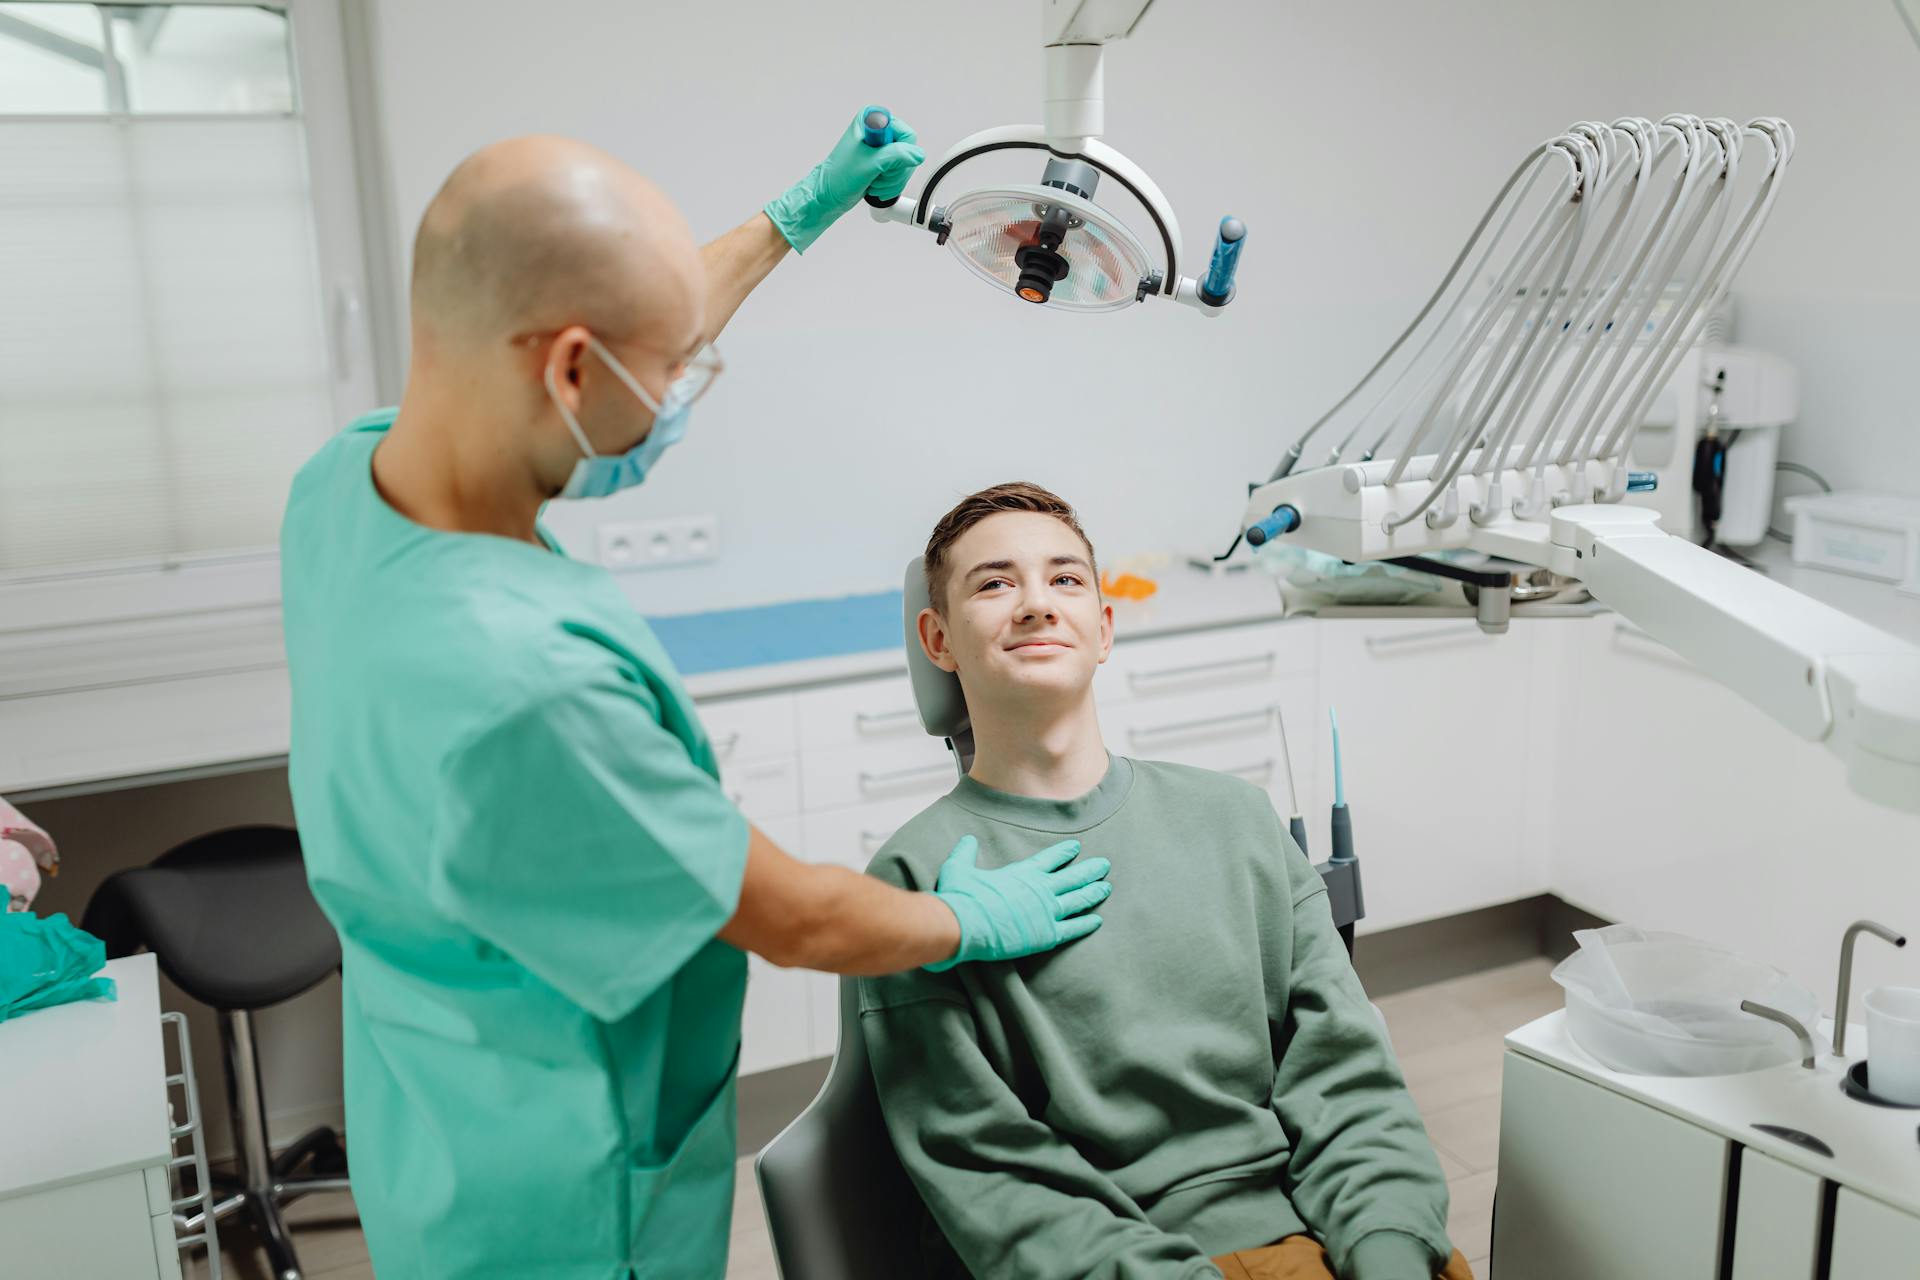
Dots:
(1448, 1036)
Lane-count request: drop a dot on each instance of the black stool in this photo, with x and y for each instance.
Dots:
(230, 920)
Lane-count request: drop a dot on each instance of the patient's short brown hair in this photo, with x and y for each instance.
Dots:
(1017, 495)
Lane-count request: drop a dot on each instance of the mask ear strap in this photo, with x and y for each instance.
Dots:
(566, 414)
(620, 371)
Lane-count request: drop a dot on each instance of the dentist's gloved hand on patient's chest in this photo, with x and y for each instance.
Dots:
(835, 185)
(1020, 909)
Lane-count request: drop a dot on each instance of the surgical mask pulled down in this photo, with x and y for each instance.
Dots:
(597, 475)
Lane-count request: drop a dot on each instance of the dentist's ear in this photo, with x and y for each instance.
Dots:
(934, 641)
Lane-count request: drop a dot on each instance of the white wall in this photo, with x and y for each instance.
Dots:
(873, 382)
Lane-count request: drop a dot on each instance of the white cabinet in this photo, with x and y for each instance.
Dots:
(1674, 797)
(1436, 733)
(1436, 722)
(850, 836)
(1872, 1241)
(1777, 1222)
(1596, 1186)
(775, 1026)
(84, 1188)
(751, 728)
(1243, 731)
(111, 1215)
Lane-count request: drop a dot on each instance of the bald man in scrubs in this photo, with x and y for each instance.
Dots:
(509, 809)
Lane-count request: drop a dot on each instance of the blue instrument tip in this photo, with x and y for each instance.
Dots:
(1339, 777)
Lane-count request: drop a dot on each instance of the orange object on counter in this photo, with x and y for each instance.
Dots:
(1128, 587)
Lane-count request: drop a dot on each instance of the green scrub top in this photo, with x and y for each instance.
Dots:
(513, 819)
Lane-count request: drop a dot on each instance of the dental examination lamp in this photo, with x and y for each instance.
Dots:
(1050, 243)
(1504, 428)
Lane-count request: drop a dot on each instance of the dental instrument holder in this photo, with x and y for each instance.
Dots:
(1341, 871)
(876, 130)
(1844, 996)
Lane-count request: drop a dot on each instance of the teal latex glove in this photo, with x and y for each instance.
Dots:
(1017, 910)
(835, 185)
(47, 962)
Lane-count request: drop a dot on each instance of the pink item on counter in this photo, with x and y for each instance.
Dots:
(25, 850)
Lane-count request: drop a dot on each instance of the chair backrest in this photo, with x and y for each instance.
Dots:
(838, 1204)
(937, 693)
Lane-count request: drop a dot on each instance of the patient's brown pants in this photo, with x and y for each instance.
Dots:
(1302, 1258)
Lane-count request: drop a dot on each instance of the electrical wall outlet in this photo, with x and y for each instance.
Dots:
(659, 544)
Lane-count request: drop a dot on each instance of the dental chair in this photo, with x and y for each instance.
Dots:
(839, 1205)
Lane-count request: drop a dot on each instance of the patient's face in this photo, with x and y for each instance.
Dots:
(1023, 615)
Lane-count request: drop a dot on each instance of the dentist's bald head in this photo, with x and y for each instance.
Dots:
(534, 234)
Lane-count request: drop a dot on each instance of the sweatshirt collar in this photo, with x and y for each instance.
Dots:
(1062, 817)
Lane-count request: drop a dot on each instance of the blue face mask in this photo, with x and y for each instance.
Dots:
(597, 475)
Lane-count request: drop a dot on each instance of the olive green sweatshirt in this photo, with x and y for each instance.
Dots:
(1202, 1075)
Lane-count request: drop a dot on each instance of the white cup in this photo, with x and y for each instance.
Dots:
(1893, 1044)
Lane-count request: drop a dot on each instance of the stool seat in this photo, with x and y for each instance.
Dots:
(228, 916)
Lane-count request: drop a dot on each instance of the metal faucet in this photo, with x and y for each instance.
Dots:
(1840, 1001)
(1786, 1020)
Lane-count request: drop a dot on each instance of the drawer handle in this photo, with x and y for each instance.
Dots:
(728, 745)
(1264, 769)
(885, 722)
(1262, 664)
(905, 777)
(1259, 718)
(1375, 644)
(870, 841)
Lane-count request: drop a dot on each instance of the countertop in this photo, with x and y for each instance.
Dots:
(1875, 1145)
(86, 1084)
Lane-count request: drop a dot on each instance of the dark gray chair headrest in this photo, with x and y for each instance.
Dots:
(943, 707)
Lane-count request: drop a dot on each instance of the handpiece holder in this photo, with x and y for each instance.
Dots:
(1845, 994)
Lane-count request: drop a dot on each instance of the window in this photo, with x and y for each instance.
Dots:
(165, 361)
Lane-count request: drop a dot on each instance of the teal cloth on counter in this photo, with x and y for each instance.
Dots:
(727, 639)
(48, 961)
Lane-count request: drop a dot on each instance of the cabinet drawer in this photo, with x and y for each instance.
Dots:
(768, 788)
(775, 1027)
(851, 835)
(867, 711)
(1247, 731)
(1777, 1228)
(1872, 1241)
(1597, 1186)
(1171, 666)
(918, 767)
(166, 1247)
(97, 1230)
(749, 728)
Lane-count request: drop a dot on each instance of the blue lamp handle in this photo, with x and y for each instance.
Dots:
(876, 130)
(1217, 288)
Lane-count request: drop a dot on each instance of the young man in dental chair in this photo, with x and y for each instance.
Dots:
(1198, 1089)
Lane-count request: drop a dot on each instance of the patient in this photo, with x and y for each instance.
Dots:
(1198, 1089)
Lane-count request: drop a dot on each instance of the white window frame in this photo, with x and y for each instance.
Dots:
(203, 615)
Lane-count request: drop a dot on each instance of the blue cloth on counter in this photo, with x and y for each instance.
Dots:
(47, 962)
(728, 639)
